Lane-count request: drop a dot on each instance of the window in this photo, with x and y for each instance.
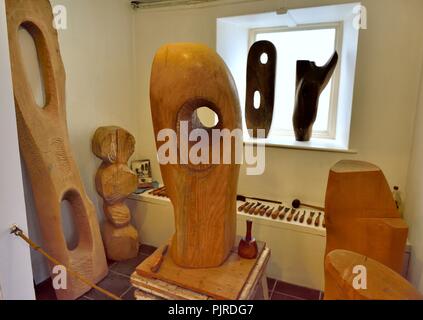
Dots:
(298, 34)
(317, 44)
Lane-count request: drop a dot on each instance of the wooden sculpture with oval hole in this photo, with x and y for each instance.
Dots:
(45, 147)
(186, 77)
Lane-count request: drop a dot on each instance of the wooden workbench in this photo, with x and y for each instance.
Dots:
(236, 279)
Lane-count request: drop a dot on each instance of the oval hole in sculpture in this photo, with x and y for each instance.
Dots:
(257, 100)
(264, 58)
(32, 66)
(207, 118)
(69, 226)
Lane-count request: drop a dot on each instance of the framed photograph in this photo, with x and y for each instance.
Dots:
(143, 170)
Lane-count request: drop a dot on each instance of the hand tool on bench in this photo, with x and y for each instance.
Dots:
(242, 207)
(291, 215)
(302, 217)
(158, 263)
(258, 210)
(254, 208)
(297, 204)
(310, 218)
(317, 222)
(277, 212)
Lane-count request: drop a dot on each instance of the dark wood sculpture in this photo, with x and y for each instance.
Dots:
(260, 78)
(247, 248)
(45, 147)
(310, 83)
(184, 78)
(115, 182)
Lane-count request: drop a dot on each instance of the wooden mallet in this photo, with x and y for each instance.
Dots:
(297, 203)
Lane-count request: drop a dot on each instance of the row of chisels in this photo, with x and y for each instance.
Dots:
(316, 219)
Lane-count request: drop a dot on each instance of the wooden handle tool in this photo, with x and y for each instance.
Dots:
(302, 217)
(297, 203)
(310, 218)
(259, 209)
(242, 207)
(283, 214)
(253, 209)
(269, 212)
(291, 215)
(276, 213)
(158, 263)
(247, 208)
(264, 210)
(317, 222)
(297, 216)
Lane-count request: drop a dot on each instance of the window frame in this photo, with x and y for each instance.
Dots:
(330, 133)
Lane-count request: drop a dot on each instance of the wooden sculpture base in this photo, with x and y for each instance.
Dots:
(233, 280)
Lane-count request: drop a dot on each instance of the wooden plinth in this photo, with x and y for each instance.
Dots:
(236, 279)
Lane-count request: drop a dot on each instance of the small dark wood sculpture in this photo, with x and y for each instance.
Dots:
(247, 248)
(311, 81)
(260, 78)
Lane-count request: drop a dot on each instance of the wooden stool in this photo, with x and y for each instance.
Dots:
(236, 279)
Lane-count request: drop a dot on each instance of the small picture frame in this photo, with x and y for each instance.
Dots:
(143, 170)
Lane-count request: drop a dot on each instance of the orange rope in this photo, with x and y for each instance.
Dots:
(19, 233)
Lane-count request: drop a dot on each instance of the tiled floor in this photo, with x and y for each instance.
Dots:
(118, 283)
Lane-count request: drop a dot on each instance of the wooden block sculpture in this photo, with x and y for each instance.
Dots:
(45, 147)
(357, 277)
(184, 78)
(310, 83)
(114, 182)
(361, 216)
(261, 77)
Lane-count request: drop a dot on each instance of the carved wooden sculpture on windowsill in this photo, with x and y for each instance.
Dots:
(114, 182)
(184, 78)
(261, 77)
(45, 147)
(310, 83)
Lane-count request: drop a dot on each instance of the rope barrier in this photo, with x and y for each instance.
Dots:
(19, 233)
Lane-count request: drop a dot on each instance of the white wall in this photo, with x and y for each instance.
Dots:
(383, 108)
(97, 51)
(414, 204)
(15, 265)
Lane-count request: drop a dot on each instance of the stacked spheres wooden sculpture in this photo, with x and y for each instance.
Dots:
(46, 150)
(114, 182)
(310, 83)
(184, 78)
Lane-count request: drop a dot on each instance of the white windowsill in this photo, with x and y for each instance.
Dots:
(315, 144)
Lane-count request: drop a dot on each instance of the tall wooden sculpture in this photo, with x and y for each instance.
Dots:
(361, 216)
(377, 282)
(114, 182)
(46, 150)
(184, 78)
(310, 83)
(261, 77)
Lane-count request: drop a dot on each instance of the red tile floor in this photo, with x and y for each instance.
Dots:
(118, 283)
